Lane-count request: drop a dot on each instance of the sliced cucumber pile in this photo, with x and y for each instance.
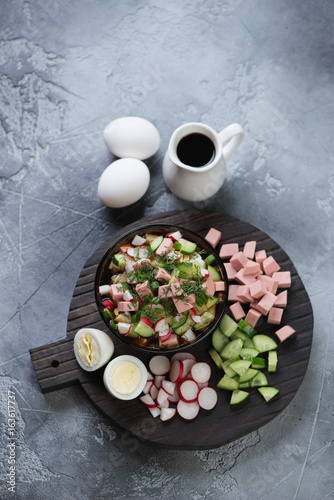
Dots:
(242, 354)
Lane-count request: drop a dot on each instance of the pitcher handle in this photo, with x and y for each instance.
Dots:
(231, 138)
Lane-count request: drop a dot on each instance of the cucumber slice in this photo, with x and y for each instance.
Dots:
(183, 328)
(268, 392)
(209, 259)
(238, 397)
(227, 325)
(156, 243)
(259, 363)
(181, 321)
(244, 385)
(216, 358)
(232, 349)
(219, 340)
(190, 269)
(260, 380)
(249, 343)
(187, 247)
(226, 367)
(214, 274)
(228, 383)
(263, 343)
(272, 361)
(119, 260)
(248, 352)
(206, 319)
(239, 334)
(241, 366)
(144, 330)
(211, 302)
(245, 327)
(249, 375)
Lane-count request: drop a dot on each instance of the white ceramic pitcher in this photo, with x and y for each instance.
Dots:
(188, 179)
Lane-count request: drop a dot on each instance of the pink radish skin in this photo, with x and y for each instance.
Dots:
(207, 398)
(158, 380)
(123, 328)
(164, 335)
(149, 376)
(187, 366)
(146, 321)
(201, 372)
(175, 398)
(176, 371)
(161, 325)
(176, 236)
(189, 335)
(127, 296)
(138, 240)
(188, 411)
(167, 413)
(148, 401)
(153, 391)
(188, 390)
(169, 387)
(182, 355)
(131, 252)
(159, 365)
(196, 319)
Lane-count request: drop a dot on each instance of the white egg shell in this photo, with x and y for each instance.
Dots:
(132, 136)
(101, 340)
(123, 182)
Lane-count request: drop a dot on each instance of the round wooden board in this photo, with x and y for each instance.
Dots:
(56, 366)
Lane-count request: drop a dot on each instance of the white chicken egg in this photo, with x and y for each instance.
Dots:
(132, 136)
(123, 182)
(92, 348)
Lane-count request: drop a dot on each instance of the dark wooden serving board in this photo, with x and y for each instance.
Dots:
(56, 366)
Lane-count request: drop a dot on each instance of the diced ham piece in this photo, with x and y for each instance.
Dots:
(252, 268)
(230, 271)
(172, 290)
(127, 306)
(144, 290)
(209, 286)
(249, 249)
(219, 286)
(238, 260)
(270, 266)
(270, 283)
(233, 293)
(213, 237)
(285, 332)
(165, 247)
(252, 317)
(257, 289)
(183, 305)
(275, 316)
(281, 299)
(283, 278)
(170, 342)
(228, 249)
(260, 256)
(116, 292)
(162, 274)
(266, 303)
(243, 279)
(143, 263)
(237, 311)
(243, 293)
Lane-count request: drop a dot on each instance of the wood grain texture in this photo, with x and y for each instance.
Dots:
(56, 367)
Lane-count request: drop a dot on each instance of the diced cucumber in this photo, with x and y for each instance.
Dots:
(214, 274)
(187, 247)
(259, 363)
(268, 392)
(189, 269)
(211, 302)
(227, 325)
(244, 385)
(181, 319)
(119, 260)
(132, 334)
(216, 358)
(249, 375)
(107, 314)
(232, 349)
(238, 397)
(219, 340)
(226, 367)
(248, 352)
(260, 380)
(245, 327)
(240, 366)
(263, 343)
(239, 334)
(209, 259)
(144, 330)
(228, 383)
(249, 343)
(156, 243)
(183, 328)
(206, 319)
(272, 361)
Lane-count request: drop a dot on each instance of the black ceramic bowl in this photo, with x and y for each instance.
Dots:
(103, 277)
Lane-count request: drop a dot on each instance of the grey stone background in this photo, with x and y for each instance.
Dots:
(66, 70)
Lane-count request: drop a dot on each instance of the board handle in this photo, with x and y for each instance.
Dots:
(56, 366)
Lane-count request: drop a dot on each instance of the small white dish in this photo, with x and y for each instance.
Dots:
(119, 376)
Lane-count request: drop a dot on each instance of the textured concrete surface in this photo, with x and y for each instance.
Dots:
(66, 70)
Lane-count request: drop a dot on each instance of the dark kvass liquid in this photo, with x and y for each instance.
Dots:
(196, 150)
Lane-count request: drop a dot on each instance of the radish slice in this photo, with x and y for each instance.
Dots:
(131, 252)
(189, 335)
(205, 273)
(169, 387)
(175, 398)
(149, 376)
(104, 289)
(164, 335)
(127, 296)
(205, 384)
(146, 321)
(129, 266)
(159, 365)
(188, 390)
(207, 398)
(196, 319)
(162, 397)
(164, 404)
(201, 372)
(167, 413)
(138, 240)
(161, 325)
(153, 391)
(182, 355)
(176, 371)
(176, 236)
(123, 328)
(143, 253)
(188, 411)
(147, 387)
(148, 401)
(155, 412)
(158, 380)
(187, 366)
